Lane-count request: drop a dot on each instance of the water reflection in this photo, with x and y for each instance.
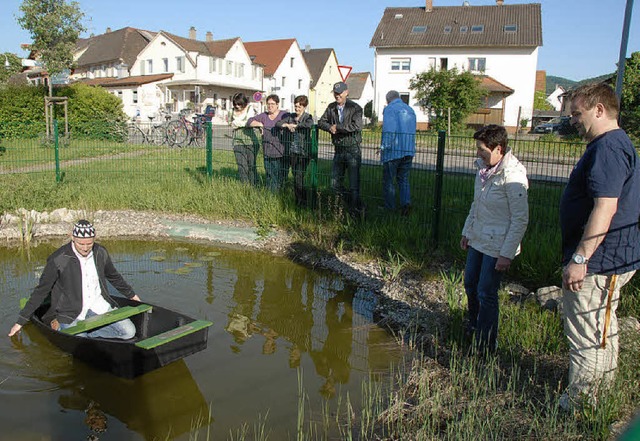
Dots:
(271, 317)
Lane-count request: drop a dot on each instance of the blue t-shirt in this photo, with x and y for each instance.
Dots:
(609, 168)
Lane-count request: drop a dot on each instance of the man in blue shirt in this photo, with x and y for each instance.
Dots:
(599, 213)
(397, 149)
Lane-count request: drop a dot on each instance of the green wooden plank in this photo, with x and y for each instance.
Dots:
(173, 334)
(105, 319)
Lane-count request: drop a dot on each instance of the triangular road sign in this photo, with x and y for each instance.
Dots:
(344, 72)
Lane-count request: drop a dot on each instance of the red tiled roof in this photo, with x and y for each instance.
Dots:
(269, 53)
(493, 85)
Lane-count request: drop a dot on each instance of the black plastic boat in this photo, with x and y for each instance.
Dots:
(162, 336)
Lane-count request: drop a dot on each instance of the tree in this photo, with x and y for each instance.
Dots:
(540, 101)
(630, 99)
(55, 26)
(14, 67)
(438, 91)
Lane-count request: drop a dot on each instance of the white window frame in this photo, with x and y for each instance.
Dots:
(180, 64)
(165, 64)
(477, 64)
(400, 65)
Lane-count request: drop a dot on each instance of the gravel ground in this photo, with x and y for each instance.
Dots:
(404, 302)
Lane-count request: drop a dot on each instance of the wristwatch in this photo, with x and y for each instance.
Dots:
(579, 259)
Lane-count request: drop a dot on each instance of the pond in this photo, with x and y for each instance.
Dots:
(274, 322)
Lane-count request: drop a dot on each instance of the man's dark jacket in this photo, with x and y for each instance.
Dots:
(349, 131)
(62, 280)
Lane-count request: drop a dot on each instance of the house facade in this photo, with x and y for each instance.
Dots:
(360, 88)
(323, 67)
(497, 42)
(285, 71)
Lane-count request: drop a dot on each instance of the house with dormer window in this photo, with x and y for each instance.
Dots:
(285, 71)
(498, 42)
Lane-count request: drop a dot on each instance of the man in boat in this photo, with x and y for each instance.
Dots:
(75, 280)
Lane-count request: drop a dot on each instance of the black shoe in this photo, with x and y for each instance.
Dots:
(405, 210)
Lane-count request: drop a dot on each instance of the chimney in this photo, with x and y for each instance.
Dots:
(499, 2)
(107, 31)
(192, 33)
(209, 36)
(307, 47)
(429, 5)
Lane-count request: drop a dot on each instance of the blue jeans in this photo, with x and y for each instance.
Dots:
(124, 329)
(347, 159)
(481, 283)
(275, 169)
(396, 170)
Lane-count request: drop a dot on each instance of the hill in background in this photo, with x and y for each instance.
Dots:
(567, 84)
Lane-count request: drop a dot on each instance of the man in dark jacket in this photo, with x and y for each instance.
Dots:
(75, 280)
(343, 119)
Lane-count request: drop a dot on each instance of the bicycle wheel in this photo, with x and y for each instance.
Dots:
(135, 135)
(158, 135)
(177, 133)
(199, 137)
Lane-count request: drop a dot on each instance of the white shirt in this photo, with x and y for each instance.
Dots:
(91, 293)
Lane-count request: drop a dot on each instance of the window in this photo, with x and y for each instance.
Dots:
(149, 67)
(180, 64)
(464, 29)
(165, 65)
(283, 82)
(212, 64)
(143, 68)
(299, 84)
(444, 63)
(135, 97)
(419, 30)
(401, 64)
(229, 68)
(476, 29)
(511, 28)
(405, 98)
(431, 63)
(477, 64)
(241, 70)
(291, 61)
(447, 29)
(119, 94)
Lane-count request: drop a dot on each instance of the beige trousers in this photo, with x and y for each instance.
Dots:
(585, 311)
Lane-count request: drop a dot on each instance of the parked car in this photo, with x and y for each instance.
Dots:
(560, 125)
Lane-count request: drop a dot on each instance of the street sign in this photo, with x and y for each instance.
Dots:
(344, 72)
(257, 97)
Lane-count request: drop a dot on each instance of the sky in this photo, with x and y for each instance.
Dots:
(581, 38)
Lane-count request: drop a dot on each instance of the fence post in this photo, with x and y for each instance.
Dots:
(313, 166)
(56, 146)
(437, 197)
(209, 131)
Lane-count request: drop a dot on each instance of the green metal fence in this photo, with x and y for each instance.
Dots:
(441, 176)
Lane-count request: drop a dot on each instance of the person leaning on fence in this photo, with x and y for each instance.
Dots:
(297, 137)
(275, 165)
(74, 281)
(397, 149)
(599, 212)
(245, 140)
(492, 233)
(343, 119)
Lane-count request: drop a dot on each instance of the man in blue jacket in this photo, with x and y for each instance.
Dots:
(397, 151)
(75, 281)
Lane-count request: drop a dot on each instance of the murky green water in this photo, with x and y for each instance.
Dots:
(272, 319)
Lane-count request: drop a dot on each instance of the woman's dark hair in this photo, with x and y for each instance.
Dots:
(239, 99)
(492, 136)
(302, 100)
(273, 97)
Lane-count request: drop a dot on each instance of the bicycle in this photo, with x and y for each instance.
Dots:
(151, 133)
(182, 132)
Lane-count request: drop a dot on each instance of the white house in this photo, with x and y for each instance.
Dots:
(555, 98)
(499, 42)
(360, 88)
(285, 71)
